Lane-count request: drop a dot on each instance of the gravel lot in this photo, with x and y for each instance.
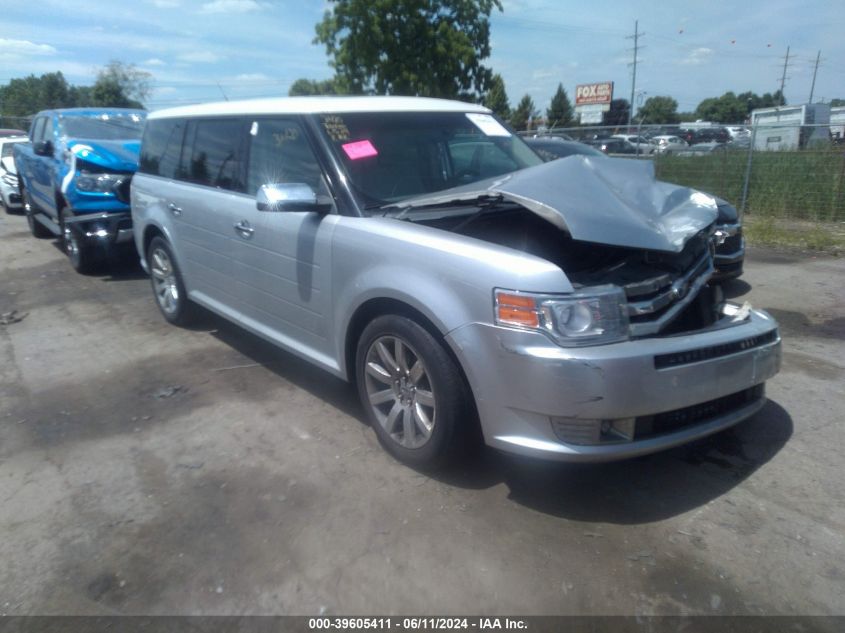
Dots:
(148, 469)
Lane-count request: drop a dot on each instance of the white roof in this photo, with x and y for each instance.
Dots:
(308, 105)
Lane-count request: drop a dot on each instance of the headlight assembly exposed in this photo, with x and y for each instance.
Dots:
(591, 316)
(98, 183)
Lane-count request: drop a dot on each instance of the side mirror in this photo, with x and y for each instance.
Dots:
(43, 148)
(292, 196)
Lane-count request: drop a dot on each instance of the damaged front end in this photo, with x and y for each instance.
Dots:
(618, 228)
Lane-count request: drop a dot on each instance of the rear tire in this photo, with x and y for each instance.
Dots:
(168, 287)
(413, 392)
(35, 227)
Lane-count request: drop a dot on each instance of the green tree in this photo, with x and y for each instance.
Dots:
(728, 108)
(560, 110)
(409, 47)
(658, 110)
(27, 95)
(121, 85)
(618, 113)
(837, 103)
(523, 112)
(309, 87)
(496, 98)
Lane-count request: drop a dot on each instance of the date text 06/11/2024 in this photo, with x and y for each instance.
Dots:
(413, 624)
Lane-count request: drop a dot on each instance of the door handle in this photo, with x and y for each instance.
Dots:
(244, 229)
(177, 211)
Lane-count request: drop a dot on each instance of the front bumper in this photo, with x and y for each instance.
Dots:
(104, 228)
(666, 391)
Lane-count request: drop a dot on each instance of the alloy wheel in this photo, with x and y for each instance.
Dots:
(400, 392)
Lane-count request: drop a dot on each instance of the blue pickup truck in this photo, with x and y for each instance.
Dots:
(74, 179)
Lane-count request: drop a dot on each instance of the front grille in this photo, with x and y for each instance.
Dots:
(651, 425)
(731, 244)
(675, 359)
(121, 192)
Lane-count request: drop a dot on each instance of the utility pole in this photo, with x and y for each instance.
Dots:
(636, 38)
(815, 70)
(783, 77)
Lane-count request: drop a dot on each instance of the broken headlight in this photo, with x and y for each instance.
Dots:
(98, 183)
(590, 316)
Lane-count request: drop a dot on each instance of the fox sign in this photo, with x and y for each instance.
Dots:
(594, 94)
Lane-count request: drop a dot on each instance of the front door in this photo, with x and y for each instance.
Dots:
(282, 260)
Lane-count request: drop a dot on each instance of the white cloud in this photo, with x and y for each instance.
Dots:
(252, 77)
(698, 56)
(230, 6)
(155, 61)
(199, 57)
(166, 4)
(25, 47)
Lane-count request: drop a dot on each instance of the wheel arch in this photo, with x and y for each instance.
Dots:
(382, 306)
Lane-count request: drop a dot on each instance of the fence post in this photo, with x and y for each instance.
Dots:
(748, 169)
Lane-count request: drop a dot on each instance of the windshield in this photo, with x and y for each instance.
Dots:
(389, 156)
(104, 127)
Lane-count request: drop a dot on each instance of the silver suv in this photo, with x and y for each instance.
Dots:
(420, 249)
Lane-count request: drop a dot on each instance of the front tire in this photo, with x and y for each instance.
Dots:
(83, 257)
(413, 392)
(168, 287)
(35, 227)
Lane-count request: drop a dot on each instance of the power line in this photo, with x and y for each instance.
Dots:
(783, 77)
(815, 70)
(636, 38)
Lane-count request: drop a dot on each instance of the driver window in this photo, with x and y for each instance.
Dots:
(279, 153)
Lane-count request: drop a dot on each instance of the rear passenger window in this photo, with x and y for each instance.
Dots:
(161, 147)
(216, 155)
(280, 153)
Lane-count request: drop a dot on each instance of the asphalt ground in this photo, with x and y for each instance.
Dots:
(146, 469)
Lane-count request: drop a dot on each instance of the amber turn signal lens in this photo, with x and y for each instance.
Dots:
(516, 310)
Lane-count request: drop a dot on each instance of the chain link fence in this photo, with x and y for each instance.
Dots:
(14, 122)
(780, 171)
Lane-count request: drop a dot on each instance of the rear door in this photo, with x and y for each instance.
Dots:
(209, 187)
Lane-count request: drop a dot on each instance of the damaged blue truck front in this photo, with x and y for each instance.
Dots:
(74, 178)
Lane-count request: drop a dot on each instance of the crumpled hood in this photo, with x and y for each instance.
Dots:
(614, 201)
(113, 155)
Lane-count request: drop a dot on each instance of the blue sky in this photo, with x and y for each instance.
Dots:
(197, 50)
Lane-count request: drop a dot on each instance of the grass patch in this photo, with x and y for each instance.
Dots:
(799, 185)
(825, 237)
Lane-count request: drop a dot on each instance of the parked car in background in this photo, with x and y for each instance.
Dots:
(667, 144)
(74, 179)
(419, 249)
(640, 143)
(9, 193)
(613, 146)
(550, 148)
(7, 132)
(711, 134)
(703, 149)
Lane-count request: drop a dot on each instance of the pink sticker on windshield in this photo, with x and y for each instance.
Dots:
(359, 149)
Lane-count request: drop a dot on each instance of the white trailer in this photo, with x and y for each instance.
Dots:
(837, 123)
(790, 127)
